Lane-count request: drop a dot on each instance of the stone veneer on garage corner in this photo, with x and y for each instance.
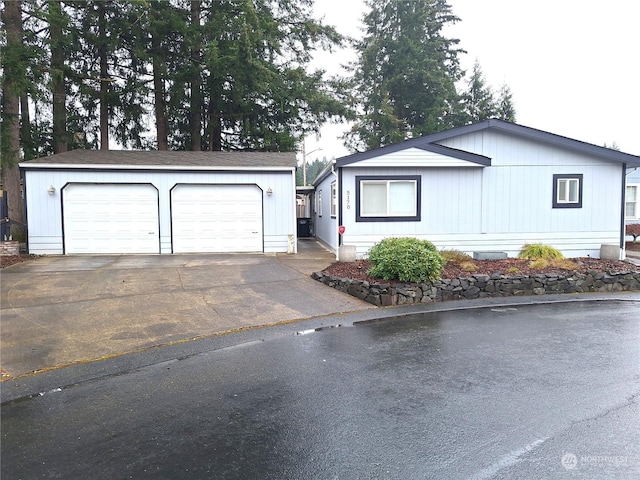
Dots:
(481, 286)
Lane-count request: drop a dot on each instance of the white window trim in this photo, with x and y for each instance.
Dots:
(319, 203)
(388, 216)
(637, 202)
(567, 189)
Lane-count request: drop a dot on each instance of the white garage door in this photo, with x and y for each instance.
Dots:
(110, 218)
(216, 218)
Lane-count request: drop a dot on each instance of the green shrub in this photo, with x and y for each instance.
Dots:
(405, 259)
(455, 257)
(536, 251)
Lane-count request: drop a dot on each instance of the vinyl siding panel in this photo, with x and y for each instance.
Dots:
(325, 227)
(566, 242)
(449, 202)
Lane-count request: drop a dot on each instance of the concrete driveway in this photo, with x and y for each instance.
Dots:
(61, 310)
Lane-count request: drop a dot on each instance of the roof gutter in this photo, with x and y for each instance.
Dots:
(109, 166)
(622, 210)
(338, 176)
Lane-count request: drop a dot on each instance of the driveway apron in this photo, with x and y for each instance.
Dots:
(61, 310)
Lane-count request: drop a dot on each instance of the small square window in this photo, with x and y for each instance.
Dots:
(567, 191)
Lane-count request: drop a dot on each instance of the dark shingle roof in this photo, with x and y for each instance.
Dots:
(113, 158)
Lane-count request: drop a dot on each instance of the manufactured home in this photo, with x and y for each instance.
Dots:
(485, 188)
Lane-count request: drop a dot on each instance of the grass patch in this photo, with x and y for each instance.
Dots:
(455, 257)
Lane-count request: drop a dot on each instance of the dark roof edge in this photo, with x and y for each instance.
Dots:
(500, 125)
(455, 153)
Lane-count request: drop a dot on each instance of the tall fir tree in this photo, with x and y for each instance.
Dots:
(478, 99)
(405, 75)
(506, 107)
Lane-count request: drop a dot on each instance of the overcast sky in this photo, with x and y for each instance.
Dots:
(573, 66)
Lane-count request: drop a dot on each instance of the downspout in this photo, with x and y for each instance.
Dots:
(339, 191)
(623, 207)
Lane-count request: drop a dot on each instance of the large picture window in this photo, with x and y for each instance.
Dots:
(388, 198)
(567, 191)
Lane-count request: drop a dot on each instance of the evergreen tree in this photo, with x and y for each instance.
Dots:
(313, 170)
(214, 74)
(405, 75)
(479, 103)
(506, 108)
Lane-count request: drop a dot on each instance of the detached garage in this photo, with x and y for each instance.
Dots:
(117, 202)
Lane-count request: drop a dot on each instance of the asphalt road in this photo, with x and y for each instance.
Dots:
(540, 391)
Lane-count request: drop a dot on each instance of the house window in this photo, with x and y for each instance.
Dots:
(567, 191)
(334, 199)
(632, 202)
(388, 198)
(319, 203)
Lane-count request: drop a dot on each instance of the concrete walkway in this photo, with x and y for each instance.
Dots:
(62, 310)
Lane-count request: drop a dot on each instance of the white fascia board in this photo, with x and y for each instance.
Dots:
(66, 166)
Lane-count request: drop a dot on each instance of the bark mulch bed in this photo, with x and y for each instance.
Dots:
(509, 267)
(357, 270)
(7, 261)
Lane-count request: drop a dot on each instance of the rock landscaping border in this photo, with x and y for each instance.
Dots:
(481, 286)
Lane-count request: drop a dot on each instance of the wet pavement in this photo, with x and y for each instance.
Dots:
(522, 391)
(61, 310)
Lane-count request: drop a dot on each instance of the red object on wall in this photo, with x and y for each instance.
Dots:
(341, 229)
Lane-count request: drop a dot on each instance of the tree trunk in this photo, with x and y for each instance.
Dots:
(28, 145)
(11, 118)
(57, 77)
(215, 127)
(159, 73)
(104, 80)
(195, 119)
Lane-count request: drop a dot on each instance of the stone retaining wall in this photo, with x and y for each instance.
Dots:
(481, 286)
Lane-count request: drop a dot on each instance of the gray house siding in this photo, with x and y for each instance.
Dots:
(325, 226)
(500, 204)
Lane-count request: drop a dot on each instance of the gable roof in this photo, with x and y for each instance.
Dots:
(421, 143)
(430, 143)
(538, 135)
(169, 160)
